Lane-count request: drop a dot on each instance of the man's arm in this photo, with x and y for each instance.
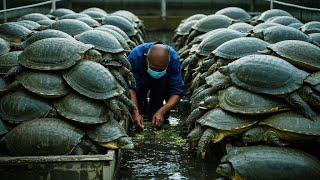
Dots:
(136, 114)
(158, 117)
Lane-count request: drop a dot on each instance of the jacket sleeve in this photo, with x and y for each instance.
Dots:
(176, 84)
(134, 58)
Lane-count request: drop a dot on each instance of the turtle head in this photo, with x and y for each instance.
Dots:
(253, 135)
(225, 169)
(93, 55)
(225, 70)
(125, 143)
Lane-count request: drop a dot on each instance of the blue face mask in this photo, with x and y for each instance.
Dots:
(156, 74)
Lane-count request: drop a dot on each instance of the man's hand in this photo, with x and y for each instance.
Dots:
(138, 119)
(158, 119)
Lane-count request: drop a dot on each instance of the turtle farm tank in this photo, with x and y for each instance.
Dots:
(250, 110)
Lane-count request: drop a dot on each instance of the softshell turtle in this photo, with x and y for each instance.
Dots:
(207, 24)
(48, 33)
(34, 17)
(81, 109)
(311, 27)
(43, 83)
(99, 85)
(111, 135)
(276, 34)
(272, 13)
(70, 26)
(46, 136)
(235, 13)
(53, 54)
(238, 100)
(284, 127)
(302, 54)
(216, 125)
(267, 163)
(20, 106)
(270, 75)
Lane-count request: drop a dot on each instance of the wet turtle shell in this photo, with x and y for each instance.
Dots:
(14, 32)
(4, 47)
(262, 26)
(98, 85)
(216, 39)
(46, 136)
(53, 54)
(107, 132)
(43, 83)
(70, 26)
(31, 25)
(284, 20)
(48, 33)
(265, 74)
(89, 21)
(186, 27)
(259, 162)
(118, 36)
(280, 33)
(61, 12)
(101, 40)
(239, 47)
(82, 109)
(238, 100)
(8, 60)
(34, 17)
(272, 13)
(19, 106)
(302, 54)
(241, 27)
(212, 22)
(311, 27)
(120, 22)
(74, 16)
(235, 13)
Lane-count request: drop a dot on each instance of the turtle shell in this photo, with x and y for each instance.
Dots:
(3, 128)
(314, 80)
(262, 26)
(284, 20)
(4, 47)
(195, 17)
(61, 12)
(45, 136)
(89, 21)
(43, 83)
(269, 162)
(34, 17)
(315, 37)
(296, 25)
(212, 22)
(118, 36)
(98, 85)
(3, 86)
(48, 33)
(311, 27)
(272, 13)
(19, 106)
(127, 15)
(120, 22)
(241, 27)
(45, 23)
(280, 33)
(70, 26)
(293, 122)
(302, 54)
(74, 16)
(107, 132)
(53, 54)
(102, 40)
(95, 9)
(217, 78)
(14, 32)
(237, 100)
(213, 41)
(235, 13)
(186, 27)
(265, 74)
(240, 47)
(223, 120)
(31, 25)
(82, 109)
(115, 28)
(96, 15)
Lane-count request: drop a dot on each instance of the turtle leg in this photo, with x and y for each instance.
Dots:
(219, 63)
(310, 96)
(204, 142)
(113, 106)
(273, 138)
(296, 101)
(14, 71)
(194, 115)
(192, 35)
(125, 143)
(194, 136)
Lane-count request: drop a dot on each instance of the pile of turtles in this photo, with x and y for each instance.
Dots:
(253, 83)
(65, 81)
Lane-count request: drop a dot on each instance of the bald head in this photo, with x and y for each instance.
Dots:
(158, 57)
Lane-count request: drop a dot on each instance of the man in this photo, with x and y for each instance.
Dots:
(156, 68)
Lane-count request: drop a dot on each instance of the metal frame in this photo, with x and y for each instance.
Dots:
(5, 10)
(272, 2)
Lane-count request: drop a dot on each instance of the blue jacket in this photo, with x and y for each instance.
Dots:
(139, 66)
